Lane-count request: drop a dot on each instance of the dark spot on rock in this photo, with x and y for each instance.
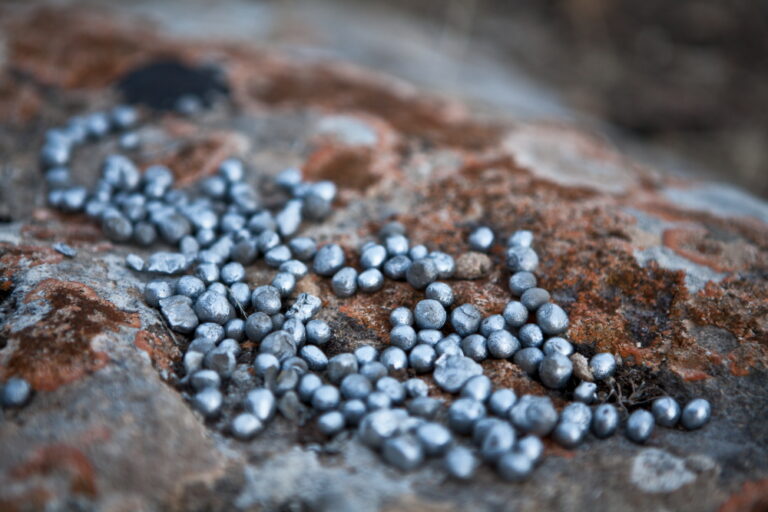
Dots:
(161, 83)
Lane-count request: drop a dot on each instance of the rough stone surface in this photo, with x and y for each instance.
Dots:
(669, 274)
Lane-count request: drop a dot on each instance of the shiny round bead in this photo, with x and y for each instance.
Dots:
(519, 282)
(403, 336)
(325, 398)
(417, 252)
(515, 314)
(16, 392)
(449, 345)
(396, 245)
(331, 423)
(514, 467)
(434, 438)
(245, 426)
(696, 414)
(232, 170)
(403, 452)
(316, 359)
(422, 358)
(232, 272)
(441, 292)
(344, 282)
(355, 386)
(235, 329)
(463, 414)
(305, 307)
(366, 354)
(430, 314)
(568, 435)
(585, 392)
(502, 344)
(373, 371)
(261, 403)
(210, 331)
(208, 402)
(353, 411)
(208, 272)
(370, 281)
(460, 463)
(542, 416)
(401, 316)
(303, 248)
(605, 421)
(557, 345)
(154, 291)
(307, 386)
(429, 337)
(288, 178)
(481, 428)
(530, 335)
(446, 265)
(465, 319)
(424, 406)
(202, 345)
(552, 319)
(285, 283)
(373, 256)
(341, 365)
(577, 413)
(534, 298)
(478, 388)
(294, 267)
(475, 346)
(318, 332)
(144, 233)
(266, 299)
(492, 323)
(501, 401)
(522, 259)
(521, 238)
(531, 447)
(280, 344)
(257, 326)
(529, 359)
(328, 260)
(116, 227)
(277, 255)
(392, 388)
(266, 365)
(421, 273)
(217, 288)
(639, 426)
(666, 411)
(498, 440)
(397, 268)
(190, 286)
(378, 400)
(213, 307)
(555, 371)
(416, 387)
(267, 240)
(394, 359)
(205, 379)
(481, 239)
(602, 365)
(240, 295)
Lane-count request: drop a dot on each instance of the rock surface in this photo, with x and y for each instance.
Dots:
(670, 275)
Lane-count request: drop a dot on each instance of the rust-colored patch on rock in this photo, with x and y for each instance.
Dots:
(56, 458)
(14, 257)
(198, 158)
(348, 167)
(698, 246)
(57, 349)
(160, 348)
(752, 497)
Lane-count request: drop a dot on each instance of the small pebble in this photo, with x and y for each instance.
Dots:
(429, 314)
(208, 402)
(261, 403)
(397, 268)
(534, 298)
(394, 359)
(466, 319)
(502, 344)
(415, 387)
(515, 314)
(366, 354)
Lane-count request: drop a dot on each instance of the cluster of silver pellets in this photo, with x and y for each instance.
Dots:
(220, 227)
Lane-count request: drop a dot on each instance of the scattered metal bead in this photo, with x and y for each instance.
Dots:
(331, 423)
(429, 337)
(177, 311)
(341, 365)
(577, 413)
(666, 411)
(460, 463)
(394, 359)
(465, 319)
(117, 227)
(397, 268)
(522, 238)
(502, 344)
(529, 359)
(257, 326)
(156, 290)
(396, 245)
(449, 345)
(305, 307)
(286, 381)
(696, 414)
(354, 386)
(378, 400)
(452, 371)
(294, 267)
(235, 329)
(208, 402)
(417, 252)
(481, 239)
(555, 371)
(640, 426)
(277, 255)
(534, 298)
(328, 260)
(353, 411)
(68, 250)
(205, 379)
(530, 335)
(602, 365)
(392, 388)
(221, 360)
(446, 265)
(267, 240)
(519, 282)
(266, 299)
(373, 371)
(541, 416)
(315, 358)
(366, 354)
(308, 384)
(391, 229)
(285, 283)
(344, 282)
(422, 358)
(202, 345)
(401, 316)
(498, 440)
(522, 259)
(605, 421)
(245, 426)
(424, 407)
(463, 413)
(168, 263)
(475, 346)
(213, 307)
(501, 401)
(373, 257)
(190, 286)
(421, 273)
(370, 280)
(515, 314)
(303, 248)
(326, 398)
(435, 439)
(16, 392)
(403, 452)
(416, 387)
(552, 319)
(261, 403)
(280, 344)
(210, 331)
(430, 314)
(218, 288)
(585, 392)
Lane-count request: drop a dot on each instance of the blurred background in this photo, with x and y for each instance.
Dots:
(680, 85)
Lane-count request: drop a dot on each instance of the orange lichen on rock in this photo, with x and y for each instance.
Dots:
(160, 348)
(60, 458)
(57, 349)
